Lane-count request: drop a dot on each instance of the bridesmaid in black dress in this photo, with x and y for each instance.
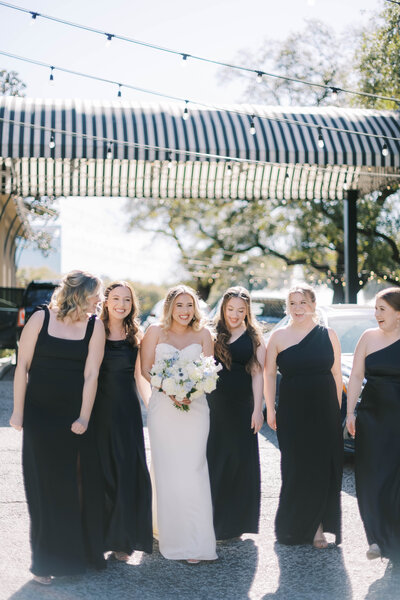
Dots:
(55, 384)
(377, 427)
(119, 427)
(235, 418)
(308, 423)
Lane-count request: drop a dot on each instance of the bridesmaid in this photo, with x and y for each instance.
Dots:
(119, 427)
(308, 423)
(236, 417)
(377, 427)
(182, 498)
(55, 382)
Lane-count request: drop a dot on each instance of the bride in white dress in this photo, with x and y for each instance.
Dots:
(182, 509)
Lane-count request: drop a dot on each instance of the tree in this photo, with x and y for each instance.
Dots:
(11, 84)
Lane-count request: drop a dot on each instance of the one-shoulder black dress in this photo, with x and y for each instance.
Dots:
(232, 450)
(62, 475)
(377, 458)
(310, 441)
(119, 430)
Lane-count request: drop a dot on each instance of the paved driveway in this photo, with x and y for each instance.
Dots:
(254, 567)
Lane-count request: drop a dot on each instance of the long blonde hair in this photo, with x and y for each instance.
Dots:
(70, 298)
(166, 320)
(221, 349)
(131, 321)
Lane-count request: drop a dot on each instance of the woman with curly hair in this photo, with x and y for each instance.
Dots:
(55, 382)
(236, 417)
(119, 427)
(182, 507)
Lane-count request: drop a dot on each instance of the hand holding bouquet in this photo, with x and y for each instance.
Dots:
(184, 379)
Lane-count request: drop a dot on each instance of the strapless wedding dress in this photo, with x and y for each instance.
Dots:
(182, 508)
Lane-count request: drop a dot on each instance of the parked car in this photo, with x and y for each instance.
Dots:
(349, 321)
(36, 293)
(8, 322)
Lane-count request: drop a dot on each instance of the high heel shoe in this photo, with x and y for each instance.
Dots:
(121, 556)
(373, 552)
(192, 561)
(42, 580)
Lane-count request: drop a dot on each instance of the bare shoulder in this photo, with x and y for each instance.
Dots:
(35, 322)
(153, 333)
(278, 336)
(206, 334)
(98, 325)
(332, 334)
(369, 334)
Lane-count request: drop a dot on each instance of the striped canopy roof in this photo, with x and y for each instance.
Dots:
(102, 148)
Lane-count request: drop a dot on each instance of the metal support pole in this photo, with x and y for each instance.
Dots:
(350, 246)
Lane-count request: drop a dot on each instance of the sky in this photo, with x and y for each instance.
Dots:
(94, 235)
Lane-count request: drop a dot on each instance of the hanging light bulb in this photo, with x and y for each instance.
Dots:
(320, 142)
(119, 95)
(109, 39)
(185, 115)
(34, 16)
(52, 143)
(51, 78)
(259, 77)
(110, 150)
(385, 150)
(252, 126)
(335, 92)
(169, 165)
(184, 59)
(228, 166)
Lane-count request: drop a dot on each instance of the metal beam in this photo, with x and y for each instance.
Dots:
(350, 247)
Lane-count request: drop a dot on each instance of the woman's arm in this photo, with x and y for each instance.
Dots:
(337, 364)
(355, 381)
(91, 373)
(270, 370)
(207, 342)
(148, 350)
(257, 380)
(26, 350)
(143, 386)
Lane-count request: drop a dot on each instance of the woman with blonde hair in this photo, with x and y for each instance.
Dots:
(55, 382)
(236, 417)
(308, 423)
(119, 427)
(377, 427)
(182, 509)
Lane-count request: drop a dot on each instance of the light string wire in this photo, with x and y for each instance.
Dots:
(171, 151)
(185, 55)
(252, 117)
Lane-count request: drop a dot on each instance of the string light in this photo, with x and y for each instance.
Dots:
(51, 78)
(185, 115)
(184, 59)
(320, 142)
(119, 94)
(252, 126)
(110, 150)
(335, 92)
(194, 57)
(34, 17)
(259, 77)
(385, 150)
(52, 143)
(109, 39)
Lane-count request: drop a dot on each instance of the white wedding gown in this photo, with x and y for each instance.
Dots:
(182, 509)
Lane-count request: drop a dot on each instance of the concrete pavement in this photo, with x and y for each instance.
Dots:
(254, 567)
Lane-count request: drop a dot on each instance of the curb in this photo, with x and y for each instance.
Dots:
(6, 364)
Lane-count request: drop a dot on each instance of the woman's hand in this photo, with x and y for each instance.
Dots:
(257, 420)
(180, 403)
(79, 426)
(351, 424)
(16, 421)
(271, 419)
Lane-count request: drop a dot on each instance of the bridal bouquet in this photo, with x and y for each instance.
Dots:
(184, 379)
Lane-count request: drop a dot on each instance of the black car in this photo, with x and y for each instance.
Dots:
(36, 293)
(349, 321)
(8, 322)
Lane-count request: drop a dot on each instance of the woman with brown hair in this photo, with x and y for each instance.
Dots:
(307, 422)
(377, 427)
(55, 382)
(182, 509)
(119, 427)
(236, 417)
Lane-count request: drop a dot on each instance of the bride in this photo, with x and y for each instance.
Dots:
(182, 509)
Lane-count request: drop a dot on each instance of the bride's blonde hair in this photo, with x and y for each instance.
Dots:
(166, 320)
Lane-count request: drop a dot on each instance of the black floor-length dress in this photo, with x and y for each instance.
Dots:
(232, 450)
(377, 459)
(119, 430)
(62, 475)
(310, 441)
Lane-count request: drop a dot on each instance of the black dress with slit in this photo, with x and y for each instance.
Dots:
(377, 451)
(310, 440)
(119, 431)
(62, 475)
(232, 449)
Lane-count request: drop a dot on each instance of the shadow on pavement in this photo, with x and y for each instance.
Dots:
(388, 587)
(269, 435)
(310, 574)
(154, 577)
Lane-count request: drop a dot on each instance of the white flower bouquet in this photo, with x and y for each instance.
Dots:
(183, 379)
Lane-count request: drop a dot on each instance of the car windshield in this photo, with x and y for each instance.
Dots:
(350, 327)
(38, 296)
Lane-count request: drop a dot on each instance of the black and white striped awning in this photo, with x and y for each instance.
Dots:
(93, 148)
